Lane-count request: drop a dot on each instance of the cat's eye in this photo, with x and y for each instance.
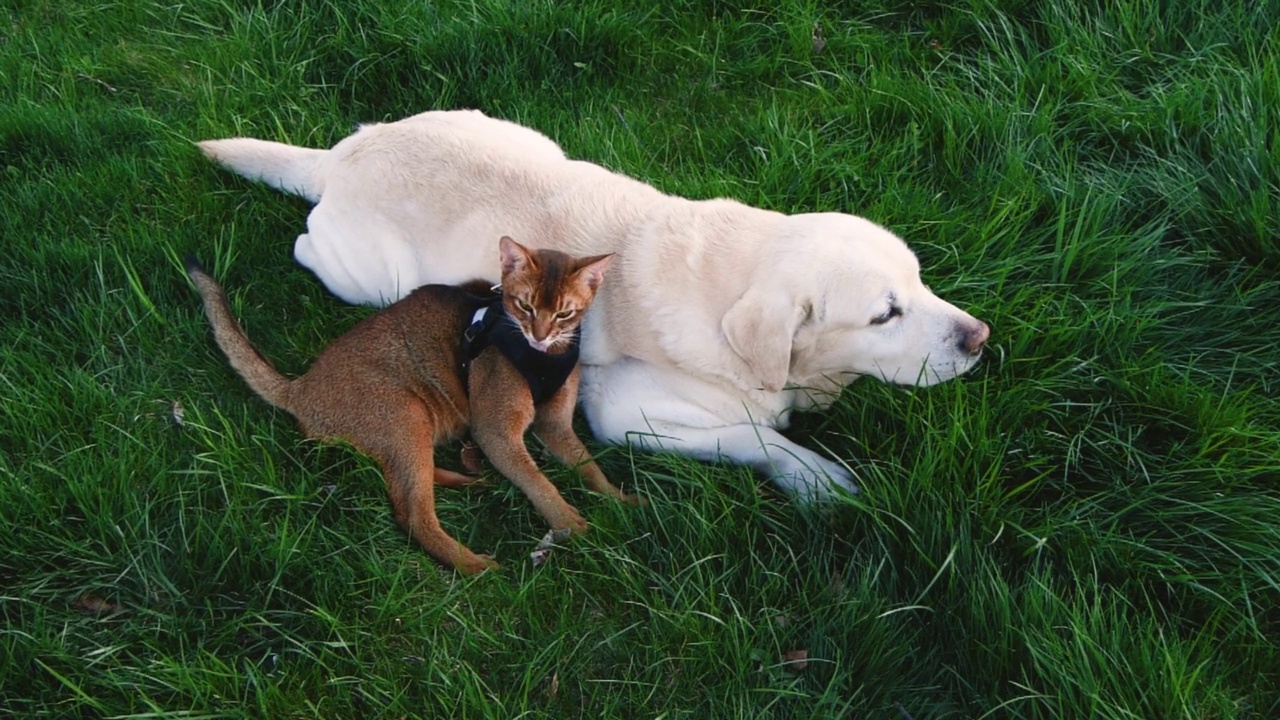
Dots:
(524, 307)
(893, 312)
(565, 314)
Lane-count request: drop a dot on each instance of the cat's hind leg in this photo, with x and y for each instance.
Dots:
(451, 479)
(408, 464)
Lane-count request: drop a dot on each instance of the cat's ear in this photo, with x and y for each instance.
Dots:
(760, 327)
(591, 270)
(515, 257)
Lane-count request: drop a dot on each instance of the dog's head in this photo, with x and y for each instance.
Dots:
(835, 296)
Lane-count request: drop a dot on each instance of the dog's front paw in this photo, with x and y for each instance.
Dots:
(813, 478)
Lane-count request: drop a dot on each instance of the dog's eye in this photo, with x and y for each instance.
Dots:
(565, 314)
(893, 312)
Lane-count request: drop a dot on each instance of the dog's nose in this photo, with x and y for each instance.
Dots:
(975, 338)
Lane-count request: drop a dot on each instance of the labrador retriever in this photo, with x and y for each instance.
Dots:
(720, 318)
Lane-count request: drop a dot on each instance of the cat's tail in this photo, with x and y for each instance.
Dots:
(290, 168)
(256, 370)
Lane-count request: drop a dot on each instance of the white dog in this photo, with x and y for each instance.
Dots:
(718, 319)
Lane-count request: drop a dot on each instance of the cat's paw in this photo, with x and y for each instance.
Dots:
(634, 499)
(472, 458)
(451, 479)
(476, 564)
(570, 521)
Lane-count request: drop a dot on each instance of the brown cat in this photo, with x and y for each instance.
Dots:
(397, 383)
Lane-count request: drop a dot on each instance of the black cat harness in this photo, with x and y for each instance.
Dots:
(491, 326)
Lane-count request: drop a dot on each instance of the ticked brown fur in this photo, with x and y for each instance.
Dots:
(393, 387)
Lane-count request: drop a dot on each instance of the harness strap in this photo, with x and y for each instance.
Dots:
(543, 373)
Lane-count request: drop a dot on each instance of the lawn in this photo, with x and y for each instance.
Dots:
(1086, 526)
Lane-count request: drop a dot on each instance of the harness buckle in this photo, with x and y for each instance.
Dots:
(469, 335)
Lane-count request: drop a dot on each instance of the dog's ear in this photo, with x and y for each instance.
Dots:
(760, 327)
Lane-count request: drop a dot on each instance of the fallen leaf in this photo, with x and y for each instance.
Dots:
(177, 413)
(796, 660)
(94, 605)
(547, 544)
(819, 42)
(555, 685)
(837, 583)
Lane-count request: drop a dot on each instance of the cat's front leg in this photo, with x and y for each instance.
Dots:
(553, 424)
(500, 415)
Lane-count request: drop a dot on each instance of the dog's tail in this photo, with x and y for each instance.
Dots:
(256, 370)
(290, 168)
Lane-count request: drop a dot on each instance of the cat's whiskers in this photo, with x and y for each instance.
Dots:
(562, 337)
(549, 343)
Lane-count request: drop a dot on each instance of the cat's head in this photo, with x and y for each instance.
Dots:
(547, 292)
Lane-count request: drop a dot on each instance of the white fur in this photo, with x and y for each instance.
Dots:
(715, 322)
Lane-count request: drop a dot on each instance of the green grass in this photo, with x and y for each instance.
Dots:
(1087, 526)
